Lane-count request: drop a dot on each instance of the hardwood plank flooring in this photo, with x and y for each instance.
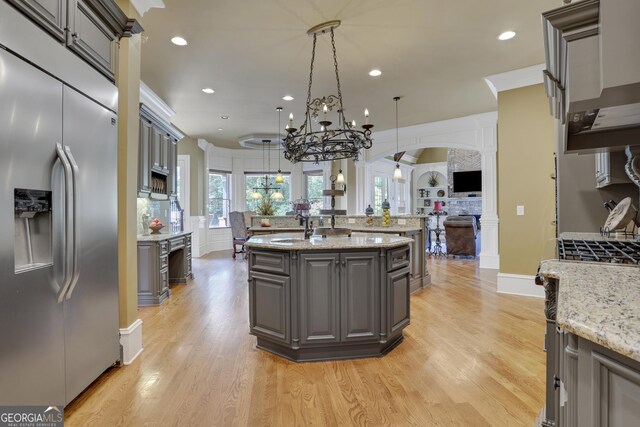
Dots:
(470, 357)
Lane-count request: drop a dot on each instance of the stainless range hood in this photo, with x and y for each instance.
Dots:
(609, 127)
(593, 73)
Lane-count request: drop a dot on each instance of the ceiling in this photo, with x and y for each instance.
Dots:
(432, 53)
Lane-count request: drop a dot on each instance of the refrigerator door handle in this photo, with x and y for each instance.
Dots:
(76, 266)
(67, 263)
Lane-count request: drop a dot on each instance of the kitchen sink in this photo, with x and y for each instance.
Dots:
(288, 240)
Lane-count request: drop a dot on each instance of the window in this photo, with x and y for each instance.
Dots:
(314, 184)
(380, 193)
(219, 198)
(253, 180)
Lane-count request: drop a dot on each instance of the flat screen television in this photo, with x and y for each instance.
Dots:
(467, 181)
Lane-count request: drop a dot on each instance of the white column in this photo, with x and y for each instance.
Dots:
(489, 252)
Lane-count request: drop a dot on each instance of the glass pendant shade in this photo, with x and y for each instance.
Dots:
(279, 177)
(256, 195)
(397, 174)
(277, 195)
(340, 177)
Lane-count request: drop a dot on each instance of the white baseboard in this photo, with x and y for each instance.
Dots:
(131, 342)
(519, 284)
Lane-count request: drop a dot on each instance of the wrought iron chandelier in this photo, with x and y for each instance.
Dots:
(266, 185)
(325, 143)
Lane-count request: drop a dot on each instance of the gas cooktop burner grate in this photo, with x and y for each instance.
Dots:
(599, 251)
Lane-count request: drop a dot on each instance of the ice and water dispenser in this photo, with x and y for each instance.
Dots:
(33, 235)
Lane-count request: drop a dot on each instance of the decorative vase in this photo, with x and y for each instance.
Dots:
(386, 216)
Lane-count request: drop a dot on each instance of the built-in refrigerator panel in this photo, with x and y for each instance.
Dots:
(91, 310)
(31, 319)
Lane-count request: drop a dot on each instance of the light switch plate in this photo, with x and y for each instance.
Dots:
(352, 220)
(520, 210)
(402, 222)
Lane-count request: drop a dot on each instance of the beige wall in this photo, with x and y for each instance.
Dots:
(526, 143)
(189, 146)
(128, 82)
(433, 155)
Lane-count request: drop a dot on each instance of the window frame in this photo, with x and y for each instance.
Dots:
(249, 205)
(226, 201)
(323, 199)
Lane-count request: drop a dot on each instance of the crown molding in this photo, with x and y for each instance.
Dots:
(515, 79)
(142, 6)
(155, 103)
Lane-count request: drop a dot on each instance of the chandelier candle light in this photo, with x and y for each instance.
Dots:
(328, 143)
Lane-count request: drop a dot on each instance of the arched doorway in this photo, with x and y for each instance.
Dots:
(476, 132)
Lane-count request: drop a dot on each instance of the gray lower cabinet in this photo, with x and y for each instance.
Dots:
(595, 386)
(398, 291)
(310, 305)
(160, 263)
(271, 317)
(319, 298)
(339, 295)
(360, 296)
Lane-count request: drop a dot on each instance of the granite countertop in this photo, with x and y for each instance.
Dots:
(599, 302)
(295, 241)
(352, 227)
(596, 237)
(161, 236)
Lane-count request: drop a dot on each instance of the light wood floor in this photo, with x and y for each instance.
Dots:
(470, 357)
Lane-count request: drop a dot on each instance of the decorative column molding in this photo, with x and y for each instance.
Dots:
(142, 6)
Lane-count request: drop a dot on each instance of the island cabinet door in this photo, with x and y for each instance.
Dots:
(360, 296)
(270, 306)
(398, 293)
(319, 298)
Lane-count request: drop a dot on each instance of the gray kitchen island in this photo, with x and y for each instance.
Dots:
(328, 298)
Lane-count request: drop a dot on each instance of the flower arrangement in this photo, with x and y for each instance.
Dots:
(265, 208)
(433, 179)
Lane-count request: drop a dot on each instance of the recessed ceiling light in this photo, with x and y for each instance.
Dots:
(288, 98)
(219, 128)
(507, 35)
(375, 73)
(208, 90)
(224, 117)
(179, 41)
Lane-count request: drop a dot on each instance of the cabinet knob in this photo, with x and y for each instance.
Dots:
(344, 263)
(74, 35)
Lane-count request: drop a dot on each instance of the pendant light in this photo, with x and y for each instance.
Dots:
(279, 177)
(276, 195)
(340, 177)
(397, 173)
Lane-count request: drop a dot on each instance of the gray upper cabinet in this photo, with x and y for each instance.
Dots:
(144, 150)
(92, 39)
(173, 168)
(90, 28)
(156, 149)
(49, 14)
(158, 155)
(360, 296)
(319, 299)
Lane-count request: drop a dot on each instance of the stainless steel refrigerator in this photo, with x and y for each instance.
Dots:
(58, 222)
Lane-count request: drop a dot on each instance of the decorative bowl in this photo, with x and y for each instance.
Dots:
(155, 229)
